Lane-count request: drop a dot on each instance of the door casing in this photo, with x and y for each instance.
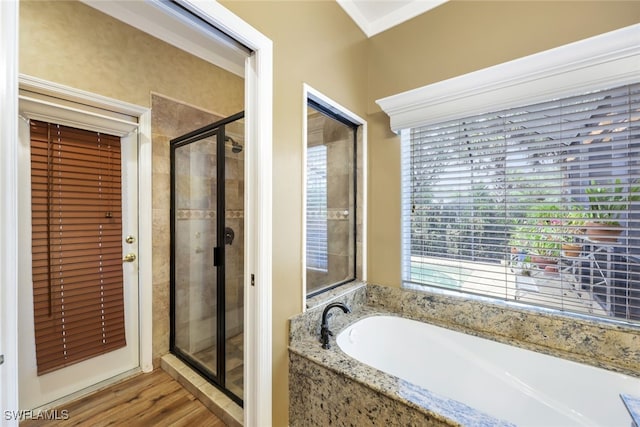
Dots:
(38, 101)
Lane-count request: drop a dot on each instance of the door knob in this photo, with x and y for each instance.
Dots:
(130, 257)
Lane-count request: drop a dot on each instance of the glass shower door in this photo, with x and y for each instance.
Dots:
(207, 252)
(194, 242)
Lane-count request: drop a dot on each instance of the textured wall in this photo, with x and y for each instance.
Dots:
(70, 43)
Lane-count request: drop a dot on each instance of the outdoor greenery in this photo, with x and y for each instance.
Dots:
(546, 228)
(605, 206)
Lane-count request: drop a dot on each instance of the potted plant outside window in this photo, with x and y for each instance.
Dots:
(547, 233)
(573, 225)
(606, 205)
(538, 235)
(571, 249)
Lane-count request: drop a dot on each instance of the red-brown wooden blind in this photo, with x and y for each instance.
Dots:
(76, 244)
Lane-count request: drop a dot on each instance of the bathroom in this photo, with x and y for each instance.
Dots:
(456, 37)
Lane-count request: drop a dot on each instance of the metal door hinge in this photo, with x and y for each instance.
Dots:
(253, 280)
(1, 359)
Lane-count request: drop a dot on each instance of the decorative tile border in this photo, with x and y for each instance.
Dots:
(337, 214)
(234, 213)
(195, 214)
(184, 214)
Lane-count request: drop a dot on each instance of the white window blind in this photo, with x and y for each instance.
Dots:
(490, 199)
(317, 232)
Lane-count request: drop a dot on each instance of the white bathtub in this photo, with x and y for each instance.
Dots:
(510, 383)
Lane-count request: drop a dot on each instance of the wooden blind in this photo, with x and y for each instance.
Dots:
(76, 243)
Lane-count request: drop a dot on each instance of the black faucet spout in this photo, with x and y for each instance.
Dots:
(325, 333)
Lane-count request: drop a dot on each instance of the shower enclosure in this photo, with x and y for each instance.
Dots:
(207, 252)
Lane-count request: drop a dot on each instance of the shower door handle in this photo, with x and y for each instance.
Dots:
(217, 256)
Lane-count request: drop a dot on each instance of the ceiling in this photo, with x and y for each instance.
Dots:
(375, 16)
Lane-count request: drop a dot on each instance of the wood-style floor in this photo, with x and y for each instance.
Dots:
(153, 399)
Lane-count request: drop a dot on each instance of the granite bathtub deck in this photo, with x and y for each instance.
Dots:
(406, 403)
(323, 382)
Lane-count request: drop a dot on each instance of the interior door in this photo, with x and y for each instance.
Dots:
(38, 390)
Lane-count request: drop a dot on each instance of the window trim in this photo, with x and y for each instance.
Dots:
(606, 60)
(311, 94)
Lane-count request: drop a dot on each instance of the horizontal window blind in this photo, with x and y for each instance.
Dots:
(76, 244)
(492, 202)
(317, 230)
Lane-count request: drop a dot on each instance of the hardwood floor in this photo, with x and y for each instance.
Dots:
(153, 399)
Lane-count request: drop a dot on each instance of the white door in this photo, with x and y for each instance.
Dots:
(34, 390)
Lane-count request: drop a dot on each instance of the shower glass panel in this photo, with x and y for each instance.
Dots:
(195, 236)
(207, 270)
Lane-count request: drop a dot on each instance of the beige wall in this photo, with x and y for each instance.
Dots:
(453, 39)
(70, 43)
(462, 36)
(315, 43)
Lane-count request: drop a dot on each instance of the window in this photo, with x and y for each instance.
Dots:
(492, 203)
(510, 162)
(330, 198)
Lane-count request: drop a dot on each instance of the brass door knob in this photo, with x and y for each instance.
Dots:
(130, 257)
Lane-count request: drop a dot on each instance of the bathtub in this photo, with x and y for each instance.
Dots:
(513, 384)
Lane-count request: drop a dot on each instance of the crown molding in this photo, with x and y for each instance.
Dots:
(599, 62)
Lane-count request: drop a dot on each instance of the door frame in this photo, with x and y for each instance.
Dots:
(258, 73)
(9, 209)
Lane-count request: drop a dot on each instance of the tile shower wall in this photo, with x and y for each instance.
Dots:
(340, 205)
(171, 119)
(195, 227)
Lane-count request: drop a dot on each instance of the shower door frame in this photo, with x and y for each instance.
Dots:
(219, 257)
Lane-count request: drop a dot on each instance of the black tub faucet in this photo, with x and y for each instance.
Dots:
(324, 329)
